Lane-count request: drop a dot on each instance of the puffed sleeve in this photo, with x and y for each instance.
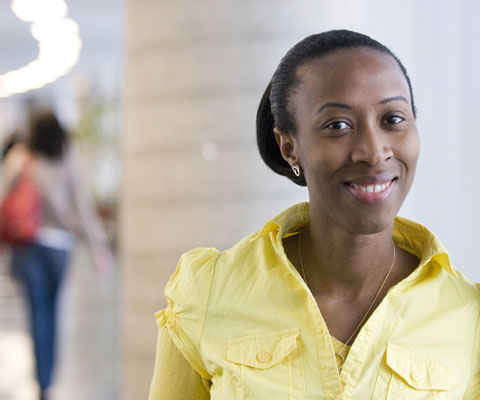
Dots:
(187, 293)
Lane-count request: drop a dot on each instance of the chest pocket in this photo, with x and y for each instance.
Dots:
(414, 377)
(267, 365)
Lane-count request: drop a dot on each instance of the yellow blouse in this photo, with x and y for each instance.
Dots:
(248, 327)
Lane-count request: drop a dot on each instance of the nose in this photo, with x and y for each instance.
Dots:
(372, 146)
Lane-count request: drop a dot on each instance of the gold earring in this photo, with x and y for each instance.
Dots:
(296, 170)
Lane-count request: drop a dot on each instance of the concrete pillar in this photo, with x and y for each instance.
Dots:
(192, 175)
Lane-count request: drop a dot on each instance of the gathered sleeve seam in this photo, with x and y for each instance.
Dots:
(166, 319)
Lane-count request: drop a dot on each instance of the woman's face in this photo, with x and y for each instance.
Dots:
(356, 139)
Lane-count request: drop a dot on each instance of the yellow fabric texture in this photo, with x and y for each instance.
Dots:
(174, 377)
(247, 324)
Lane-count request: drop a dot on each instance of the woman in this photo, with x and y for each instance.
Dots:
(336, 298)
(41, 264)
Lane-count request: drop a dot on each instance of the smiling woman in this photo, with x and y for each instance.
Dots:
(335, 298)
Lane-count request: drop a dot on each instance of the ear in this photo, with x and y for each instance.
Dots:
(287, 145)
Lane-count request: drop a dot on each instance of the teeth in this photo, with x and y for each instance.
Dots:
(377, 188)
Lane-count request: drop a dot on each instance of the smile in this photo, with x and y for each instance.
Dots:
(377, 188)
(372, 193)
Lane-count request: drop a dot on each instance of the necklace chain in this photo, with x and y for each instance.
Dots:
(339, 353)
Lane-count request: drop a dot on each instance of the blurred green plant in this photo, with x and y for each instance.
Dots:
(89, 129)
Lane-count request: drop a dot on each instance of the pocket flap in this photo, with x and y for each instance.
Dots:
(262, 350)
(419, 372)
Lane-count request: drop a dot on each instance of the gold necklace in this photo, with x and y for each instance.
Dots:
(339, 355)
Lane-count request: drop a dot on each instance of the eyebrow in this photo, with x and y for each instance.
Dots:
(347, 107)
(336, 105)
(396, 98)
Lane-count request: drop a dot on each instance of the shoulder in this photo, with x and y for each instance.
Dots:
(192, 276)
(17, 154)
(453, 297)
(196, 269)
(14, 160)
(466, 290)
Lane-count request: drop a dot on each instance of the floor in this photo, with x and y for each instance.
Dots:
(87, 349)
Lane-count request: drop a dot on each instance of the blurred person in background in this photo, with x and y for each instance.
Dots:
(11, 141)
(66, 211)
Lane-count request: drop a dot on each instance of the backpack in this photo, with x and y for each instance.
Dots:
(20, 210)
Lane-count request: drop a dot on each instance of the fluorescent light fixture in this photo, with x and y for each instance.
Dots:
(58, 41)
(37, 10)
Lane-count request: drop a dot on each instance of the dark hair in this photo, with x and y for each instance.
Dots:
(47, 136)
(274, 110)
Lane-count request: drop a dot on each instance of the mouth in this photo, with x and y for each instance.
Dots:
(372, 191)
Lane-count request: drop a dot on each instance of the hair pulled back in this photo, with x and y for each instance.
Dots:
(274, 109)
(47, 136)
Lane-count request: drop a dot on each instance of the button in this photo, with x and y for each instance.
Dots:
(416, 377)
(263, 357)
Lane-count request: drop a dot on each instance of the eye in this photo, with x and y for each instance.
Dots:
(339, 125)
(394, 119)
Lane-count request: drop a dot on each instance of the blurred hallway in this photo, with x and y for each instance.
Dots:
(87, 357)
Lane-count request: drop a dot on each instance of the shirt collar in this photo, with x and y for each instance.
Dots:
(409, 235)
(290, 220)
(422, 243)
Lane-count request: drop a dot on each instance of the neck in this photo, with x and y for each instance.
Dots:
(338, 260)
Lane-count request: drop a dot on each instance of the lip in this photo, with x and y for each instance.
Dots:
(372, 190)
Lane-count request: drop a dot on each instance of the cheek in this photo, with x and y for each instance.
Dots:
(410, 150)
(321, 167)
(414, 149)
